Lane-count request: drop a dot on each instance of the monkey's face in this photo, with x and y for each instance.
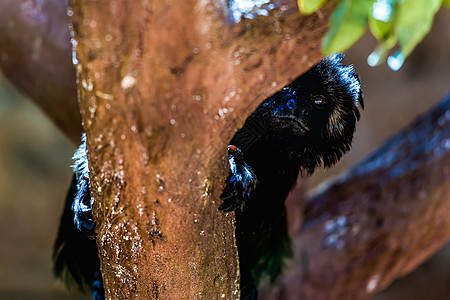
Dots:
(320, 109)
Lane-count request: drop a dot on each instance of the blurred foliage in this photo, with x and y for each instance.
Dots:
(396, 24)
(347, 25)
(308, 7)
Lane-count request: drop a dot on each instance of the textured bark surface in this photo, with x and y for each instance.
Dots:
(35, 55)
(163, 85)
(378, 221)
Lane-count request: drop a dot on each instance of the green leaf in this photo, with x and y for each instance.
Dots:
(307, 7)
(347, 24)
(392, 22)
(414, 21)
(384, 32)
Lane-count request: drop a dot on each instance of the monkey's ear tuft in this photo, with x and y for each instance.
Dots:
(335, 58)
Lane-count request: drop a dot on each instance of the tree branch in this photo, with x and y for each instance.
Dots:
(35, 55)
(163, 86)
(378, 221)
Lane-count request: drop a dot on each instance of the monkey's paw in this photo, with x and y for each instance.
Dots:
(240, 183)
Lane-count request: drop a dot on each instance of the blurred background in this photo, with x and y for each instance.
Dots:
(35, 173)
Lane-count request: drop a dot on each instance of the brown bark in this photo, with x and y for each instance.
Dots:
(163, 85)
(378, 221)
(35, 55)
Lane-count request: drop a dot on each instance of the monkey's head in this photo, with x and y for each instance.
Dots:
(321, 110)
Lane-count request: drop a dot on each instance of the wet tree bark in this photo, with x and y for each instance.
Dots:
(163, 85)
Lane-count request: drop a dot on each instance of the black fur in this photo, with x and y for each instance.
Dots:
(75, 254)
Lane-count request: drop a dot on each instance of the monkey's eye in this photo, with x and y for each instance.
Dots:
(291, 103)
(319, 100)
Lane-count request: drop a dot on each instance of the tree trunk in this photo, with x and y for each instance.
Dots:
(163, 85)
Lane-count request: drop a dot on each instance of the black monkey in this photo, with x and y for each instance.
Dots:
(309, 123)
